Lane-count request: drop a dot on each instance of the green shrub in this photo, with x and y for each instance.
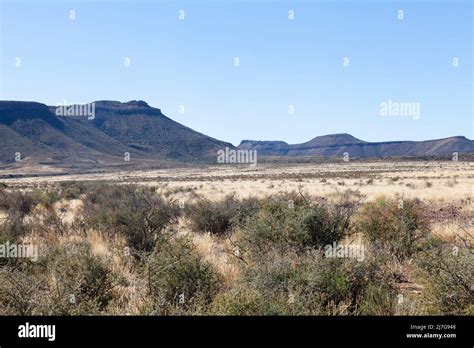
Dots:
(219, 217)
(49, 197)
(447, 273)
(83, 281)
(18, 205)
(21, 293)
(74, 189)
(286, 226)
(248, 302)
(72, 193)
(394, 226)
(237, 301)
(51, 222)
(179, 281)
(309, 284)
(137, 213)
(66, 280)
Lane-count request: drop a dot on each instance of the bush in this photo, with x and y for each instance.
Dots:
(13, 228)
(447, 273)
(48, 198)
(394, 226)
(21, 293)
(219, 217)
(66, 280)
(74, 189)
(295, 226)
(309, 284)
(179, 280)
(137, 213)
(239, 302)
(18, 203)
(278, 245)
(84, 281)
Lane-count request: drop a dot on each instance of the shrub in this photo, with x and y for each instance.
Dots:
(394, 226)
(237, 301)
(51, 222)
(13, 228)
(447, 273)
(49, 197)
(72, 193)
(179, 280)
(20, 292)
(295, 226)
(309, 284)
(325, 227)
(18, 203)
(137, 213)
(66, 280)
(219, 217)
(74, 189)
(83, 281)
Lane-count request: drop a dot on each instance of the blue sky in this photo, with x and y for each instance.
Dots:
(283, 62)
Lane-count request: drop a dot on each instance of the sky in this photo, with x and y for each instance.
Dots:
(239, 69)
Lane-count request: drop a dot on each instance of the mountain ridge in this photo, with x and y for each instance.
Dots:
(325, 146)
(115, 130)
(144, 133)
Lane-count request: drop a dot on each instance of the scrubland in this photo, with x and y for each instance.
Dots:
(242, 241)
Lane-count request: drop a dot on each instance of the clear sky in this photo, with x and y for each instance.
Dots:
(283, 62)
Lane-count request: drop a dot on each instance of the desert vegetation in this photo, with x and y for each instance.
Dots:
(109, 248)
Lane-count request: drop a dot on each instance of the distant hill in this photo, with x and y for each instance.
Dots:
(35, 131)
(335, 145)
(153, 140)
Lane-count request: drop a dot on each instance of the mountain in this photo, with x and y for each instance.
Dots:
(335, 145)
(41, 136)
(146, 129)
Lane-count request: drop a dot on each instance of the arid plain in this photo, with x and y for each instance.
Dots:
(440, 194)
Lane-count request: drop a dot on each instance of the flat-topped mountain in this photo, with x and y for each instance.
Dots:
(335, 145)
(100, 134)
(43, 135)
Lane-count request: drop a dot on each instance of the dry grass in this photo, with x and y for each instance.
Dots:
(68, 209)
(434, 180)
(217, 251)
(453, 231)
(437, 184)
